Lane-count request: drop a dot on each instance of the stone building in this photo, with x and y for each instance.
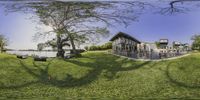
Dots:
(124, 44)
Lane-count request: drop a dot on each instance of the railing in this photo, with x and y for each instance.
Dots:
(149, 55)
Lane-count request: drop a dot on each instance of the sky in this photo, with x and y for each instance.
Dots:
(150, 27)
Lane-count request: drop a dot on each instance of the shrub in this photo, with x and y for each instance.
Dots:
(105, 46)
(86, 48)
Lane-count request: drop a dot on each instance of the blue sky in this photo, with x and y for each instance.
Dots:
(150, 27)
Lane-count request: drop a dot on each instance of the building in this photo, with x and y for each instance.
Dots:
(186, 47)
(124, 44)
(163, 43)
(176, 44)
(147, 51)
(169, 50)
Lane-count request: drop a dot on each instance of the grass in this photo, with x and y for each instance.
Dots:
(99, 75)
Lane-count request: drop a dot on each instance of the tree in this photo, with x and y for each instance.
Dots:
(105, 46)
(41, 46)
(196, 42)
(174, 6)
(3, 42)
(83, 22)
(80, 22)
(51, 43)
(157, 44)
(86, 48)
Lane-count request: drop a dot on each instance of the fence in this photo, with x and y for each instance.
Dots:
(148, 54)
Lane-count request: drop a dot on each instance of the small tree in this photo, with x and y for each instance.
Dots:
(157, 44)
(3, 42)
(41, 46)
(196, 42)
(86, 48)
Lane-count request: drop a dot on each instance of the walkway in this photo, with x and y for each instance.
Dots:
(164, 59)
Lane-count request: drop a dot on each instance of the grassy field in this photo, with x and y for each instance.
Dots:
(99, 75)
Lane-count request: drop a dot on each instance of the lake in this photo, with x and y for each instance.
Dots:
(38, 53)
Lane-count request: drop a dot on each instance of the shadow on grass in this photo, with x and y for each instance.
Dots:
(177, 82)
(7, 60)
(109, 64)
(111, 67)
(18, 86)
(106, 65)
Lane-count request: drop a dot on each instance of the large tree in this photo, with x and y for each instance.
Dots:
(80, 22)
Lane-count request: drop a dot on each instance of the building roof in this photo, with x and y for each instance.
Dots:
(186, 44)
(164, 41)
(177, 43)
(121, 34)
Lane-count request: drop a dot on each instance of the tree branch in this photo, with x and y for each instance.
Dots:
(172, 9)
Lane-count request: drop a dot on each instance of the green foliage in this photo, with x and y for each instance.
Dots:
(3, 42)
(196, 42)
(41, 46)
(51, 43)
(105, 46)
(86, 48)
(157, 44)
(69, 18)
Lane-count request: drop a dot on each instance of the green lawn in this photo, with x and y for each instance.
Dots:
(99, 75)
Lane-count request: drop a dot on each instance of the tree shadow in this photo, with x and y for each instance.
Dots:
(6, 60)
(111, 67)
(179, 83)
(19, 86)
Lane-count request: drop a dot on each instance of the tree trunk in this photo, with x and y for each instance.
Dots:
(1, 47)
(73, 45)
(60, 52)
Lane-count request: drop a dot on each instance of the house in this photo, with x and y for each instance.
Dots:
(163, 43)
(176, 44)
(124, 44)
(169, 50)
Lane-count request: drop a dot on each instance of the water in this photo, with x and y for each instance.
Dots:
(38, 53)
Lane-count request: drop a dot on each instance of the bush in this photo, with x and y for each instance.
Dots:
(105, 46)
(86, 48)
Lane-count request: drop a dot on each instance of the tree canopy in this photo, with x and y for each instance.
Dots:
(196, 42)
(79, 22)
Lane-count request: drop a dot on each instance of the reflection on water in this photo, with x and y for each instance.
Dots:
(38, 53)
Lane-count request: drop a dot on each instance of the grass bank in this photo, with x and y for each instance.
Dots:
(99, 75)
